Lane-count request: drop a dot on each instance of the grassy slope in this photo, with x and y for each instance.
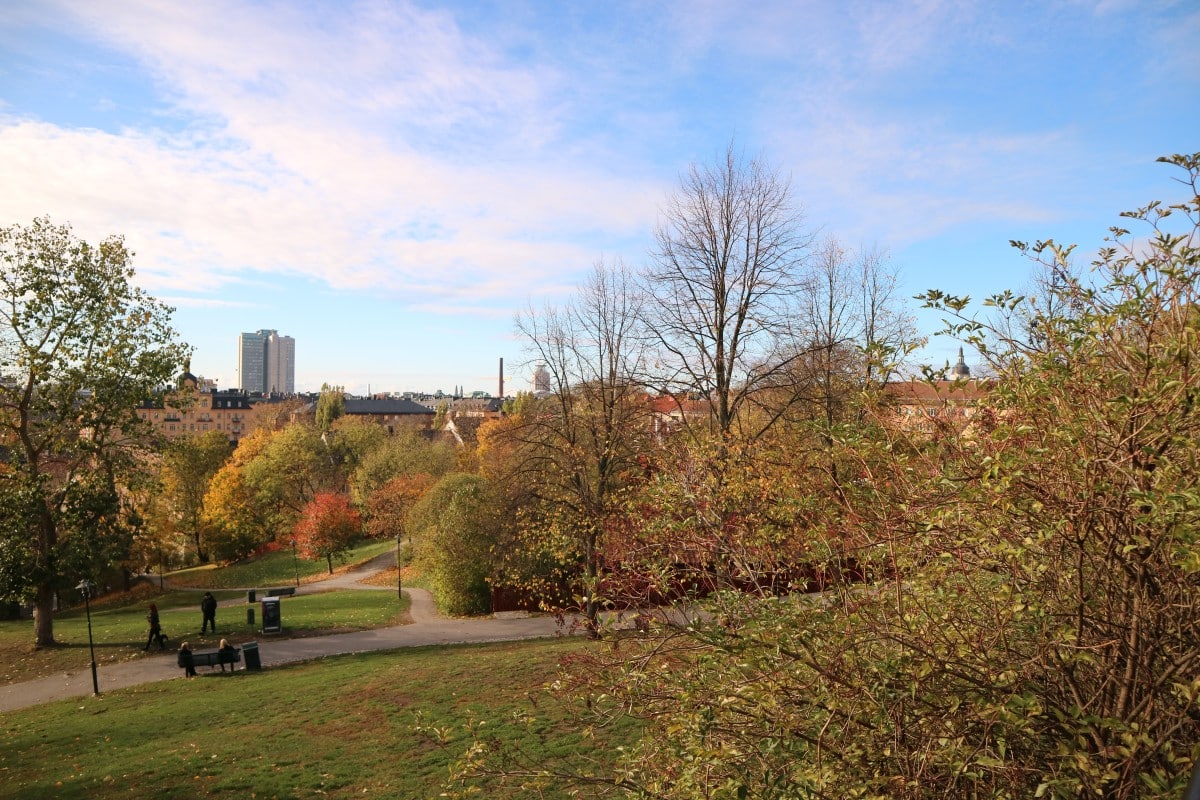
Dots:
(340, 727)
(274, 569)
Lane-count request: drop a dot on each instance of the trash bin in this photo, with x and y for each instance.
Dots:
(250, 595)
(250, 616)
(250, 656)
(271, 622)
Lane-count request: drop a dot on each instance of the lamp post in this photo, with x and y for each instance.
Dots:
(295, 562)
(86, 587)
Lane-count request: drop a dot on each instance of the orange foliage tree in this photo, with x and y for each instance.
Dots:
(388, 506)
(328, 526)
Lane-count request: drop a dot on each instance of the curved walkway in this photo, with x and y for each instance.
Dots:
(427, 628)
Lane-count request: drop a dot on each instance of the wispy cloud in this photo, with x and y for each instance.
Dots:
(466, 158)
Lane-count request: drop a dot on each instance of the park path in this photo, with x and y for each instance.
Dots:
(428, 628)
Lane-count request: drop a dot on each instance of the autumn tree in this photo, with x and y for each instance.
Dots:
(278, 413)
(388, 506)
(856, 334)
(236, 521)
(856, 330)
(188, 465)
(81, 347)
(1028, 629)
(294, 465)
(236, 525)
(578, 448)
(328, 526)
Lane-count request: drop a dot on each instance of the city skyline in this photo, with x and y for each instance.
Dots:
(390, 182)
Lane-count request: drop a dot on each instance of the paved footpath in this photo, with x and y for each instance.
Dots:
(427, 628)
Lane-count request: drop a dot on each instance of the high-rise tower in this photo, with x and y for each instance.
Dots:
(281, 364)
(267, 363)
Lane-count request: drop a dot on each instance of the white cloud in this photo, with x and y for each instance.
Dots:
(324, 154)
(383, 145)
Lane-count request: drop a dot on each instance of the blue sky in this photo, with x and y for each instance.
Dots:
(390, 182)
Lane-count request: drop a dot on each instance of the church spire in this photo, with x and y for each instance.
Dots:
(961, 370)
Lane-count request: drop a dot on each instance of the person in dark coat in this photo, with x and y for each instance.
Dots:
(186, 661)
(208, 607)
(225, 654)
(156, 634)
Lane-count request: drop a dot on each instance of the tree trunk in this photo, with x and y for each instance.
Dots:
(200, 552)
(43, 616)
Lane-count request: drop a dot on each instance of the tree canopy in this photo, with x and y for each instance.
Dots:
(80, 348)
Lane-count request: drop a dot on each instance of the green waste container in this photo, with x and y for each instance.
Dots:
(271, 620)
(250, 654)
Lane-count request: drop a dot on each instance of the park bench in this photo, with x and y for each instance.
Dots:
(213, 658)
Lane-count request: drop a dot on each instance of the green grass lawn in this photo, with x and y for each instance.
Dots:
(119, 620)
(119, 626)
(339, 727)
(273, 569)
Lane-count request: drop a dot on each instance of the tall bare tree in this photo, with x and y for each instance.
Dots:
(722, 284)
(855, 329)
(579, 447)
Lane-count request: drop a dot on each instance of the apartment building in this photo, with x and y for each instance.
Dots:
(195, 407)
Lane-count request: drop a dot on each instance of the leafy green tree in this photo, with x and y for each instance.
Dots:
(188, 465)
(351, 440)
(81, 347)
(293, 466)
(405, 452)
(453, 530)
(331, 404)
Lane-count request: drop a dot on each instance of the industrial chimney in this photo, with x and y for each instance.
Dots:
(501, 395)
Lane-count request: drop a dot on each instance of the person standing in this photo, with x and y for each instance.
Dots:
(187, 661)
(156, 634)
(208, 608)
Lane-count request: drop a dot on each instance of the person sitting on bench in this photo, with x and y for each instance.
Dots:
(226, 653)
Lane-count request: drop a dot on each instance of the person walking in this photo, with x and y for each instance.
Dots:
(187, 661)
(156, 634)
(208, 608)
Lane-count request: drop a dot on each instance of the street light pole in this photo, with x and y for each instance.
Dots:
(86, 587)
(295, 562)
